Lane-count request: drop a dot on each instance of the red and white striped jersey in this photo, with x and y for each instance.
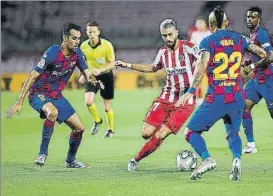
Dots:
(179, 68)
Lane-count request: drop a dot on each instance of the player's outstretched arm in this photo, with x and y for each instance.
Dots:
(99, 71)
(90, 78)
(146, 68)
(16, 108)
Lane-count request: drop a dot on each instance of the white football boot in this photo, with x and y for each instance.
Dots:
(207, 165)
(250, 148)
(235, 173)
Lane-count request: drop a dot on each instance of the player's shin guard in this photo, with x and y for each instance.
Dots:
(74, 143)
(148, 148)
(248, 126)
(110, 119)
(198, 144)
(46, 136)
(235, 144)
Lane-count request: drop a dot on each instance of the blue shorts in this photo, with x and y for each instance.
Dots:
(65, 110)
(209, 113)
(256, 91)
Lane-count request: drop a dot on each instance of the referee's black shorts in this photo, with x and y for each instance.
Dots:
(108, 81)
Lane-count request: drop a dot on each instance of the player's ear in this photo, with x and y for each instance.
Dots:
(226, 23)
(177, 32)
(99, 32)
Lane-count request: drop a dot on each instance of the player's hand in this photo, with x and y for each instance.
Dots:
(182, 100)
(121, 64)
(16, 108)
(99, 84)
(95, 72)
(82, 79)
(247, 70)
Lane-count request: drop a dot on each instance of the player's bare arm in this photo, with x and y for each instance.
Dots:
(90, 78)
(197, 78)
(16, 108)
(200, 69)
(108, 67)
(146, 68)
(266, 59)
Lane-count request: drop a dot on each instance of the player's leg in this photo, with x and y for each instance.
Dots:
(268, 96)
(90, 93)
(253, 97)
(147, 131)
(234, 118)
(75, 139)
(204, 118)
(155, 117)
(48, 112)
(108, 94)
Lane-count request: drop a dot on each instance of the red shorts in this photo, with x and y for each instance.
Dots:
(167, 114)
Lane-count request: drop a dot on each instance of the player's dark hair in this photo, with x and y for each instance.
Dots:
(68, 26)
(255, 9)
(168, 23)
(219, 16)
(92, 24)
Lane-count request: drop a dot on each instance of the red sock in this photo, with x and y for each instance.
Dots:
(148, 148)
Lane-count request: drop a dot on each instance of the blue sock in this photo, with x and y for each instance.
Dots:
(46, 136)
(248, 126)
(74, 143)
(235, 145)
(198, 144)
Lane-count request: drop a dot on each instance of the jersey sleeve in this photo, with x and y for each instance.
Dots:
(81, 63)
(204, 45)
(45, 60)
(110, 53)
(192, 49)
(264, 40)
(158, 62)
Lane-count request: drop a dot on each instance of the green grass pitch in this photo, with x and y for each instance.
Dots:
(108, 176)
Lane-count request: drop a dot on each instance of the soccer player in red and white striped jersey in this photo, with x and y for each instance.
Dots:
(163, 118)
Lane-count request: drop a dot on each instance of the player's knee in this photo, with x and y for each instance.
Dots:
(80, 128)
(53, 114)
(162, 134)
(89, 102)
(107, 105)
(146, 135)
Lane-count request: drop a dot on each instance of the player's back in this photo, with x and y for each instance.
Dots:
(226, 50)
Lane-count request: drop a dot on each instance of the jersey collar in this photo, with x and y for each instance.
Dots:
(99, 43)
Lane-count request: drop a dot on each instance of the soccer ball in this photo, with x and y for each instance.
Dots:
(186, 161)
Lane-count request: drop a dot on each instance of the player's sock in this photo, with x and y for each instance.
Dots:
(46, 136)
(74, 143)
(198, 144)
(148, 148)
(110, 119)
(248, 126)
(93, 110)
(235, 145)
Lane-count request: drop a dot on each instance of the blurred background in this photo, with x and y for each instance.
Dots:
(28, 28)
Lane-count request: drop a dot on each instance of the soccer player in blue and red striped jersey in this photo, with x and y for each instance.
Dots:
(45, 84)
(220, 55)
(261, 84)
